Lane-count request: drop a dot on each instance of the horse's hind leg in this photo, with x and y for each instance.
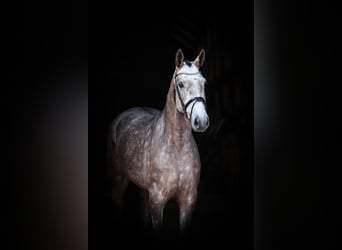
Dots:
(119, 186)
(145, 209)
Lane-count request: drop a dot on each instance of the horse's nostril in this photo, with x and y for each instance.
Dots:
(207, 124)
(196, 122)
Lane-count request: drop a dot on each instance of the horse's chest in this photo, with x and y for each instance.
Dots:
(170, 169)
(175, 160)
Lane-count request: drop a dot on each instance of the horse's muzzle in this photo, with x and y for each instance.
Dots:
(200, 124)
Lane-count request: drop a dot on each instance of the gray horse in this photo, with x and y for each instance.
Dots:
(156, 149)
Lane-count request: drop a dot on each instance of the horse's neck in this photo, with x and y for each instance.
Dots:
(176, 127)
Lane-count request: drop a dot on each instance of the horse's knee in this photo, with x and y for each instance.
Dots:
(156, 209)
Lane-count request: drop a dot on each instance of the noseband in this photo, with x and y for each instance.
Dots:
(195, 99)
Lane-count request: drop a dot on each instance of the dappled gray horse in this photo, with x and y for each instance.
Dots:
(156, 150)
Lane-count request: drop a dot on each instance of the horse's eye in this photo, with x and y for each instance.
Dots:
(181, 85)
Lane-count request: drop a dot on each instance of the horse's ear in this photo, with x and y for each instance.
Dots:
(199, 61)
(179, 57)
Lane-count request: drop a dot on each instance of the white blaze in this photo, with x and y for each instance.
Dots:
(199, 111)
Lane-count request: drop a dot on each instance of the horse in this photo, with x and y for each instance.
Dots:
(156, 149)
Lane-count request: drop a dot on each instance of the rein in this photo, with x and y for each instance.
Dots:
(195, 99)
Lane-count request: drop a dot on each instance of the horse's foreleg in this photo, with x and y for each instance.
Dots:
(156, 208)
(186, 206)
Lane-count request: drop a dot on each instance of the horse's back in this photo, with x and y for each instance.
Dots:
(133, 121)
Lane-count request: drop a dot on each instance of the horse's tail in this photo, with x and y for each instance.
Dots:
(110, 150)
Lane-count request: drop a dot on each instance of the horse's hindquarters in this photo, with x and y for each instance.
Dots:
(131, 133)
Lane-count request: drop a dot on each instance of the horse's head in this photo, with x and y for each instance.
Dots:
(189, 90)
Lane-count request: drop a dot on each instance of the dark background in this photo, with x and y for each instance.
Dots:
(132, 65)
(297, 128)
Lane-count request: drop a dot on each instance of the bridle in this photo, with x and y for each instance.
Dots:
(194, 100)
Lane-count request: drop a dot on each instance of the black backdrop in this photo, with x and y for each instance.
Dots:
(132, 65)
(297, 123)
